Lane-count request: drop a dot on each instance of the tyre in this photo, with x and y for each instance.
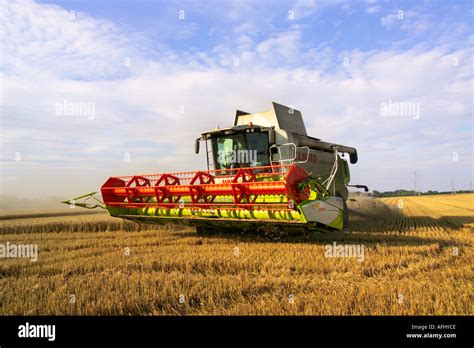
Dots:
(203, 230)
(345, 215)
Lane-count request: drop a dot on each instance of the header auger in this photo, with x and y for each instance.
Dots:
(266, 174)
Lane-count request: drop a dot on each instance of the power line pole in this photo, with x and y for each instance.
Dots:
(418, 182)
(415, 182)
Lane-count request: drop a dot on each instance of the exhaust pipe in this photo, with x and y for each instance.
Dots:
(322, 145)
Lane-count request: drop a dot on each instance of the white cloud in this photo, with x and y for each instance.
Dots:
(304, 8)
(409, 20)
(389, 20)
(67, 43)
(417, 25)
(284, 44)
(307, 8)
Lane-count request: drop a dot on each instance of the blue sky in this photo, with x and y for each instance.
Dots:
(157, 79)
(347, 25)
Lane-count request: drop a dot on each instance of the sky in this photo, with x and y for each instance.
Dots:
(93, 89)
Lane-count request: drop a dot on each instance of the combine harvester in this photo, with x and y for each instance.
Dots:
(267, 174)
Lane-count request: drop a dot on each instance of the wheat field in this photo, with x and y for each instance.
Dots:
(417, 261)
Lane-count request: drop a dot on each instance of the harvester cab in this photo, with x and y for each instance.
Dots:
(263, 173)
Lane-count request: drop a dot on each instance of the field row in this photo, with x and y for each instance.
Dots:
(424, 268)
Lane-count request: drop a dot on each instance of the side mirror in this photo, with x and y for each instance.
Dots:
(271, 137)
(366, 189)
(196, 145)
